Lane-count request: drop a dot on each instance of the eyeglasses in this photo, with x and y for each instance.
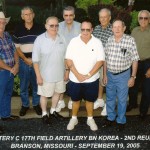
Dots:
(71, 15)
(143, 18)
(87, 30)
(53, 25)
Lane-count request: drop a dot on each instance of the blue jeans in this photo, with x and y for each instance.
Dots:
(27, 76)
(117, 89)
(6, 89)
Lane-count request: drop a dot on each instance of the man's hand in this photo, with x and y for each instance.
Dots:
(81, 77)
(39, 80)
(28, 61)
(15, 69)
(147, 73)
(105, 80)
(131, 82)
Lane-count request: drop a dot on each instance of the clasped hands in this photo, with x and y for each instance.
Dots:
(82, 77)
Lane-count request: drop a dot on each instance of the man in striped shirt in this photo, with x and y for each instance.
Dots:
(24, 37)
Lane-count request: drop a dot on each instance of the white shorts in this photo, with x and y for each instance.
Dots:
(48, 89)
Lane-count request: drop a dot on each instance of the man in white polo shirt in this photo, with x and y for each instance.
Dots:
(84, 57)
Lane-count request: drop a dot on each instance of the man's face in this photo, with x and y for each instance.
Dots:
(104, 18)
(118, 29)
(144, 20)
(52, 26)
(27, 16)
(2, 25)
(68, 16)
(86, 30)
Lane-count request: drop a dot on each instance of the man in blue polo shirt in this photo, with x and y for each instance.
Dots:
(69, 28)
(24, 37)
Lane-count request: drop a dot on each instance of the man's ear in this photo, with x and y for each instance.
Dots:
(124, 28)
(22, 16)
(46, 27)
(33, 15)
(109, 18)
(63, 16)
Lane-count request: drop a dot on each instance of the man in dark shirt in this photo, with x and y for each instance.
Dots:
(24, 37)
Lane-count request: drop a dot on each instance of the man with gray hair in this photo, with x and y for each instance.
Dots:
(48, 59)
(24, 36)
(142, 35)
(121, 54)
(103, 31)
(69, 29)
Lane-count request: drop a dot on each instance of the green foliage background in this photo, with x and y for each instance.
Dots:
(134, 22)
(84, 4)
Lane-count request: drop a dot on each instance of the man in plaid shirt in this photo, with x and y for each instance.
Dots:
(102, 31)
(121, 53)
(8, 69)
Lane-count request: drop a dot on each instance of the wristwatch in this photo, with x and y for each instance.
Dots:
(133, 77)
(89, 75)
(67, 69)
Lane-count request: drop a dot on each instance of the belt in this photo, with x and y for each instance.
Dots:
(120, 72)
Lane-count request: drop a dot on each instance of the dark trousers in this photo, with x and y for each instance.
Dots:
(144, 83)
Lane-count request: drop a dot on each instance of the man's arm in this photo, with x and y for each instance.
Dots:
(28, 61)
(134, 68)
(15, 69)
(73, 69)
(95, 69)
(79, 76)
(105, 73)
(38, 74)
(3, 65)
(67, 71)
(133, 74)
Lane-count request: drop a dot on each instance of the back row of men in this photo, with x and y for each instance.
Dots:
(69, 51)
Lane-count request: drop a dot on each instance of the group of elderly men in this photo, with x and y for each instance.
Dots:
(74, 52)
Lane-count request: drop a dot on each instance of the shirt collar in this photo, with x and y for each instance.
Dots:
(120, 39)
(108, 26)
(65, 25)
(47, 36)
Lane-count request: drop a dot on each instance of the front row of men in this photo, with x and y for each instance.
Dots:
(83, 58)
